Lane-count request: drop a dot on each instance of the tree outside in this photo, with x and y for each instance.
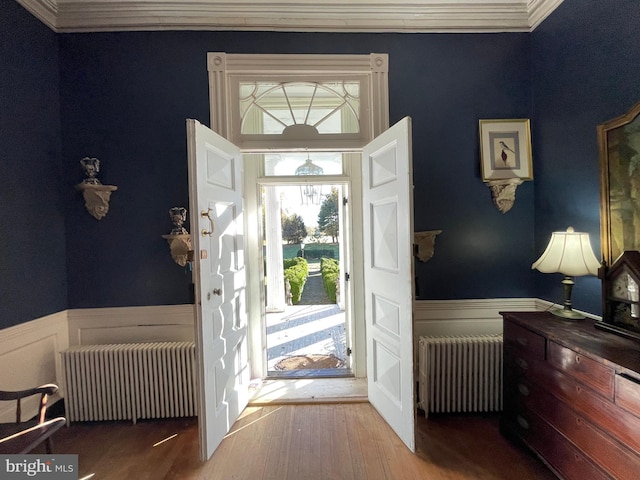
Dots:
(293, 228)
(328, 220)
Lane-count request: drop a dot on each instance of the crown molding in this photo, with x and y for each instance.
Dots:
(438, 16)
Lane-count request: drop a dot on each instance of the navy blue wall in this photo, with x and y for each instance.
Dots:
(585, 64)
(125, 98)
(33, 277)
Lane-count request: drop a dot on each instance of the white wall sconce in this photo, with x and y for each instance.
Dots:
(96, 195)
(424, 244)
(179, 239)
(505, 158)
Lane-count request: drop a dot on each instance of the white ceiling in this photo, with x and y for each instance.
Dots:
(290, 15)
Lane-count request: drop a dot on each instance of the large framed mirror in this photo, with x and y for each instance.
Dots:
(619, 144)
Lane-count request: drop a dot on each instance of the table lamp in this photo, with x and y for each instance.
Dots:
(568, 253)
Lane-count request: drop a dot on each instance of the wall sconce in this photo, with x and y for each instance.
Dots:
(424, 244)
(568, 253)
(179, 239)
(96, 196)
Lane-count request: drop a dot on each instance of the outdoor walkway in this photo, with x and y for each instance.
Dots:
(314, 326)
(313, 293)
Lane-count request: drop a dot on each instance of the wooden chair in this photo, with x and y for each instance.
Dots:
(22, 437)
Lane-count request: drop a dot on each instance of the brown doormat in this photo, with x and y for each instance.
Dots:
(309, 362)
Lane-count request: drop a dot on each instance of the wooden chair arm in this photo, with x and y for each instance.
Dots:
(48, 389)
(42, 390)
(14, 441)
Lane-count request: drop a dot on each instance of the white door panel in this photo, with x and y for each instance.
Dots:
(216, 216)
(388, 273)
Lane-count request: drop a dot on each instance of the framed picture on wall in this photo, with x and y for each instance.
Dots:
(505, 149)
(619, 144)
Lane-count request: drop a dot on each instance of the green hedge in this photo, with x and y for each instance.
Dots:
(330, 270)
(296, 270)
(314, 251)
(318, 251)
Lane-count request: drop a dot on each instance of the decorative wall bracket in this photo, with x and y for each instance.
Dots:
(180, 246)
(96, 198)
(504, 192)
(424, 244)
(179, 239)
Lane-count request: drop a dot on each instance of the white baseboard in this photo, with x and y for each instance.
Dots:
(465, 317)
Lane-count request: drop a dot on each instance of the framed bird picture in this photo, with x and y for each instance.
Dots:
(505, 149)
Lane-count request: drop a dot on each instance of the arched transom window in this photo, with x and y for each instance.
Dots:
(311, 102)
(300, 109)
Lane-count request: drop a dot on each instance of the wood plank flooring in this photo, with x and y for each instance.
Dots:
(301, 442)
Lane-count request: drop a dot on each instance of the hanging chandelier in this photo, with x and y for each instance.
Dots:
(310, 194)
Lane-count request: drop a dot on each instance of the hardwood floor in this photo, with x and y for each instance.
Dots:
(301, 442)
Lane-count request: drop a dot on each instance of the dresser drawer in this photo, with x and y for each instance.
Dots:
(620, 424)
(597, 445)
(553, 447)
(520, 362)
(519, 338)
(628, 394)
(596, 375)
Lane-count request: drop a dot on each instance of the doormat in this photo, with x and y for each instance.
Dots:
(309, 362)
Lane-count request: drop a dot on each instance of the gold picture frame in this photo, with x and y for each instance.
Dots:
(619, 149)
(505, 149)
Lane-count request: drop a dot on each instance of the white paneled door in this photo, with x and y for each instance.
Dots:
(388, 272)
(216, 221)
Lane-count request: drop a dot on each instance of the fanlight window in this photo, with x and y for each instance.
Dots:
(265, 103)
(300, 109)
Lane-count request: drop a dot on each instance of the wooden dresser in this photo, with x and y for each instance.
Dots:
(572, 394)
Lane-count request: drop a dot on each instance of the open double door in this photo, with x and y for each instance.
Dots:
(217, 225)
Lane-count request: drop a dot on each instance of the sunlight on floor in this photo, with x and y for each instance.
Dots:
(320, 390)
(165, 440)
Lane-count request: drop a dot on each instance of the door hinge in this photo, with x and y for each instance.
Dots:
(348, 352)
(345, 200)
(346, 276)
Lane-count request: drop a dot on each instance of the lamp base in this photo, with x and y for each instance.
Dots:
(567, 314)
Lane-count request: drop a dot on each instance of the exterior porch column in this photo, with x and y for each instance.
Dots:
(276, 301)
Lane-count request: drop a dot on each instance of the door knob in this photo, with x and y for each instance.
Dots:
(217, 291)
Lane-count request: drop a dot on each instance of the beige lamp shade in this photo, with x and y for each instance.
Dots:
(569, 253)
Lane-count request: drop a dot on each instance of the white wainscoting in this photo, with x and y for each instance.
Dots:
(472, 317)
(29, 358)
(30, 352)
(466, 317)
(160, 323)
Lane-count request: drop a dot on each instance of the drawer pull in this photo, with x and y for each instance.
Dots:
(522, 422)
(578, 359)
(522, 363)
(523, 389)
(522, 341)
